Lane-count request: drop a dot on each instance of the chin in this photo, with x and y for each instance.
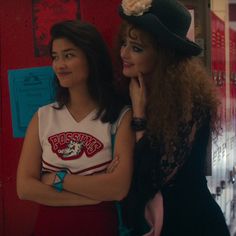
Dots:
(65, 85)
(130, 74)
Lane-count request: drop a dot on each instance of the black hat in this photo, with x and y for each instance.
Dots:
(167, 20)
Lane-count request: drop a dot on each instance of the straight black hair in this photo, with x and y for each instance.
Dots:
(100, 82)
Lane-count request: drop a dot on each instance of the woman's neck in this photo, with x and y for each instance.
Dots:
(80, 103)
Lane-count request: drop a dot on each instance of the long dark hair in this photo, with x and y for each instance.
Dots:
(100, 81)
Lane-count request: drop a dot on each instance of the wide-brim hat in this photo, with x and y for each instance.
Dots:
(168, 21)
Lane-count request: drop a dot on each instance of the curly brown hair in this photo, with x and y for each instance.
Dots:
(180, 88)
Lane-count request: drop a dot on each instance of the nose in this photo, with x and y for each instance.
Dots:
(124, 52)
(59, 64)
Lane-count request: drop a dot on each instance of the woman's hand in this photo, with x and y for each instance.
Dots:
(48, 178)
(137, 91)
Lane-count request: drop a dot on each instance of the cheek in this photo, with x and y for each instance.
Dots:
(147, 65)
(85, 68)
(82, 69)
(53, 66)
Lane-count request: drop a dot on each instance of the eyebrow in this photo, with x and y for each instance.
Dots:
(137, 43)
(66, 50)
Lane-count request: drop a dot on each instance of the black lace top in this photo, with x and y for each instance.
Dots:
(154, 167)
(188, 204)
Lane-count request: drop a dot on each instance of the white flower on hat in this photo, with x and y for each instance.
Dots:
(135, 7)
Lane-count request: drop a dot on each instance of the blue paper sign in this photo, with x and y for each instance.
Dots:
(29, 89)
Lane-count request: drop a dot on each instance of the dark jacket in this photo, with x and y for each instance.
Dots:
(189, 208)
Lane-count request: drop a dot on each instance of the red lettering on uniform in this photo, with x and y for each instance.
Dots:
(61, 144)
(53, 140)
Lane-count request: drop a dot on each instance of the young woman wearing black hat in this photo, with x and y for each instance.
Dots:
(174, 115)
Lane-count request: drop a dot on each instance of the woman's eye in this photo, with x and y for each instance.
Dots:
(69, 55)
(123, 44)
(137, 49)
(53, 57)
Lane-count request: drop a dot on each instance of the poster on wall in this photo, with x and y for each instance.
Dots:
(29, 89)
(45, 14)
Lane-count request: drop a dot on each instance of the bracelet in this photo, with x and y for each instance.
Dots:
(59, 179)
(138, 124)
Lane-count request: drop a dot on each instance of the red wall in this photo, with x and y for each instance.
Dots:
(1, 154)
(17, 51)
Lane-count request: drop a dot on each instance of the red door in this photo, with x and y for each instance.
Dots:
(1, 154)
(17, 51)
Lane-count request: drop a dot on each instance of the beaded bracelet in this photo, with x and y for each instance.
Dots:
(59, 179)
(138, 124)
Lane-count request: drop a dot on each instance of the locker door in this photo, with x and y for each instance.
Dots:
(1, 176)
(17, 52)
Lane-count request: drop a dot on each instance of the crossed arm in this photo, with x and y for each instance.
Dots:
(78, 190)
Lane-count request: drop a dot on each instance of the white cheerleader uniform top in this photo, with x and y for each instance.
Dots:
(82, 147)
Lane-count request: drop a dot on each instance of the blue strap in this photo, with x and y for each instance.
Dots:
(123, 230)
(59, 179)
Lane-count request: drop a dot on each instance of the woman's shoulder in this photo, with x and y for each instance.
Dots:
(124, 111)
(48, 107)
(51, 109)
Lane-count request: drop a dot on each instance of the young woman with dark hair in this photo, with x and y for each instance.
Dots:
(66, 160)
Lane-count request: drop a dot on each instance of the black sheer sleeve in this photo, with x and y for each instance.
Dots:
(156, 169)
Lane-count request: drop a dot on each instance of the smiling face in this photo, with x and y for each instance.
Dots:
(69, 63)
(137, 53)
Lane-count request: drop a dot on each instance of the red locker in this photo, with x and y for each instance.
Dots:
(232, 35)
(17, 51)
(1, 154)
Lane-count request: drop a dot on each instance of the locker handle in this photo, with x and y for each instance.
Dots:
(218, 191)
